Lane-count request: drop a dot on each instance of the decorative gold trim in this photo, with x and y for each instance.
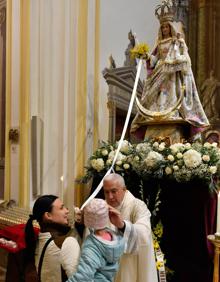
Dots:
(24, 167)
(8, 99)
(97, 73)
(81, 91)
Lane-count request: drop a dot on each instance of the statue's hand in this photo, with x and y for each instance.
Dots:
(145, 56)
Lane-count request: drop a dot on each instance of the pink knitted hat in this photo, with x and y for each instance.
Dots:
(96, 214)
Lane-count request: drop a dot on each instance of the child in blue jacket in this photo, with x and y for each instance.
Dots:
(101, 250)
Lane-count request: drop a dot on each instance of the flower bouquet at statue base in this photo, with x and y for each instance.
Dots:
(140, 51)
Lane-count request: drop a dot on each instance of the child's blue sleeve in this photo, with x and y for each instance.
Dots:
(89, 262)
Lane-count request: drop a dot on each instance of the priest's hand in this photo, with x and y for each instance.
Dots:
(116, 218)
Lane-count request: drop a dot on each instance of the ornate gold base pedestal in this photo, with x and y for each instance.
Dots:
(216, 243)
(176, 131)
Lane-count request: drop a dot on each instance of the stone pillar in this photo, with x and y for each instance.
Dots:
(112, 120)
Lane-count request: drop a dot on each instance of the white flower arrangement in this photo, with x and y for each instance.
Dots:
(180, 162)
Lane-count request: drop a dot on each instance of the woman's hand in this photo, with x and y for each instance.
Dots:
(78, 215)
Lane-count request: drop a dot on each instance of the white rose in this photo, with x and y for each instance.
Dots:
(117, 168)
(100, 164)
(187, 146)
(174, 150)
(180, 162)
(213, 169)
(155, 144)
(125, 147)
(175, 167)
(177, 147)
(206, 158)
(111, 155)
(126, 166)
(93, 162)
(136, 158)
(109, 162)
(168, 170)
(119, 163)
(161, 147)
(121, 157)
(214, 144)
(104, 152)
(179, 155)
(170, 158)
(207, 145)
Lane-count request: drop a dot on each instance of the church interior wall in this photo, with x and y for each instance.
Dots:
(70, 45)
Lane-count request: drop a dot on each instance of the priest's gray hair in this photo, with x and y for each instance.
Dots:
(116, 178)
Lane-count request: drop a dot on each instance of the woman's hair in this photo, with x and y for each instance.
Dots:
(42, 204)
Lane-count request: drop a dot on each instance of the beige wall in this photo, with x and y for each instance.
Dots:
(56, 52)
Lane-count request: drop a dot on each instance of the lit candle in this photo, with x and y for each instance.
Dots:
(218, 215)
(62, 186)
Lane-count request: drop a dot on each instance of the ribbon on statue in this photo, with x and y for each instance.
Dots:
(99, 187)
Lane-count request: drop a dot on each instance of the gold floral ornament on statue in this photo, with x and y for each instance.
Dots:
(140, 51)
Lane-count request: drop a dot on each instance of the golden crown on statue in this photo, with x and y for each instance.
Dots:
(166, 11)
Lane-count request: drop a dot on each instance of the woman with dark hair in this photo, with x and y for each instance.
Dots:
(54, 251)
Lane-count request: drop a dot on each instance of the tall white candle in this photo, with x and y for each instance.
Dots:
(218, 215)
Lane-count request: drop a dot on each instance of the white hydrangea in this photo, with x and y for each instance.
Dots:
(120, 156)
(192, 158)
(98, 164)
(153, 158)
(177, 147)
(142, 147)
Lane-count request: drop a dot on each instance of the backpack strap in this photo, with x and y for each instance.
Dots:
(59, 242)
(42, 257)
